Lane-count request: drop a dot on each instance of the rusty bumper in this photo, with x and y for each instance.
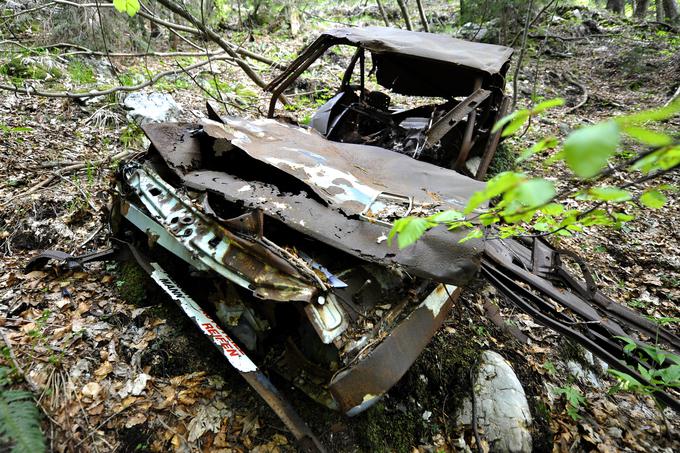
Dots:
(358, 387)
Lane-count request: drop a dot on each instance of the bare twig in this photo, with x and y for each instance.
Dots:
(381, 8)
(533, 21)
(94, 93)
(404, 13)
(65, 171)
(423, 16)
(26, 11)
(178, 27)
(521, 55)
(674, 97)
(569, 77)
(217, 39)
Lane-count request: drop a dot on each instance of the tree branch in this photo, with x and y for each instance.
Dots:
(94, 93)
(195, 31)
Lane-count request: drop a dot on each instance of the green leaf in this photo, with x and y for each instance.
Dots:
(508, 118)
(553, 209)
(534, 192)
(127, 6)
(546, 143)
(446, 216)
(587, 149)
(20, 421)
(409, 230)
(607, 193)
(648, 137)
(545, 105)
(627, 381)
(516, 123)
(653, 199)
(474, 234)
(661, 114)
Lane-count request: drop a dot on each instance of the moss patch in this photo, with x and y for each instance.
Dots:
(134, 285)
(503, 160)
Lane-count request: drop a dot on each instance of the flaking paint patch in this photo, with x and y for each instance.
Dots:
(246, 188)
(341, 186)
(437, 298)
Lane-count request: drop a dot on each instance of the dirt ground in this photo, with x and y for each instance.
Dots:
(118, 368)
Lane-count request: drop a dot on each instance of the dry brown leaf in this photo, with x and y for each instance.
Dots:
(104, 369)
(136, 419)
(91, 389)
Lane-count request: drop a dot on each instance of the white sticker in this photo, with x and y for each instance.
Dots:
(229, 349)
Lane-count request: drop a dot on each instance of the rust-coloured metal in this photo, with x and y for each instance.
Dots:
(456, 115)
(494, 139)
(361, 385)
(373, 167)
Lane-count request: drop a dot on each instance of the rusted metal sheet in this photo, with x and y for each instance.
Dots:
(246, 263)
(488, 58)
(357, 237)
(438, 65)
(346, 176)
(361, 385)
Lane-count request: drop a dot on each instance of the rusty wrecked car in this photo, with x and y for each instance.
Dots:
(296, 218)
(273, 237)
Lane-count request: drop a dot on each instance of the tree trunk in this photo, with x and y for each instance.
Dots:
(423, 17)
(670, 8)
(404, 13)
(659, 10)
(383, 13)
(615, 6)
(641, 8)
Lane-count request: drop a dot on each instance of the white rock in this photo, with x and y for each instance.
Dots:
(502, 409)
(151, 107)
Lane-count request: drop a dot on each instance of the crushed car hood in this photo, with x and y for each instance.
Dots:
(347, 188)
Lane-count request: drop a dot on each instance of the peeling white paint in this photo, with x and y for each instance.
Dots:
(323, 176)
(437, 298)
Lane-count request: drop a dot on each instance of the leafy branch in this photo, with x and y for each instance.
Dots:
(659, 368)
(526, 206)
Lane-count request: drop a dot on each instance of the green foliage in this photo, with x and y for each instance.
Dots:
(81, 73)
(127, 6)
(514, 121)
(19, 418)
(659, 368)
(586, 150)
(574, 400)
(520, 204)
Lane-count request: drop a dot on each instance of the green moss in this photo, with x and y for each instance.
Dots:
(133, 283)
(18, 69)
(383, 431)
(81, 73)
(503, 160)
(440, 376)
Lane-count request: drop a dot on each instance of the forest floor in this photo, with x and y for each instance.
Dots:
(116, 368)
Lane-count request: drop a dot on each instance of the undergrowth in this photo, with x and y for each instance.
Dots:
(19, 419)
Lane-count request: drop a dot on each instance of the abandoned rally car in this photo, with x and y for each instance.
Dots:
(273, 237)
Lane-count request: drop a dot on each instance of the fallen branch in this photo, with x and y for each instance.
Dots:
(532, 23)
(569, 78)
(66, 171)
(572, 38)
(89, 52)
(171, 25)
(95, 93)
